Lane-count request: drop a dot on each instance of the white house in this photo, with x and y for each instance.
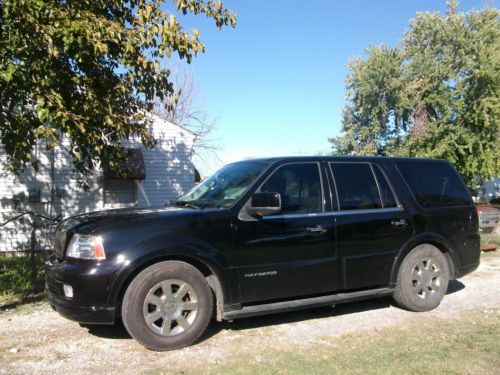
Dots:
(156, 176)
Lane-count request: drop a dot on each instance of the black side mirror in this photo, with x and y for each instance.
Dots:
(262, 204)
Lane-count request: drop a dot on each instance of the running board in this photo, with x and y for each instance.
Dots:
(277, 307)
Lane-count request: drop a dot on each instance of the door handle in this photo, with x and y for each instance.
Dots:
(318, 229)
(398, 223)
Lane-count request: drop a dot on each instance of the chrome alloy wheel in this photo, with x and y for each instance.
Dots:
(426, 278)
(170, 307)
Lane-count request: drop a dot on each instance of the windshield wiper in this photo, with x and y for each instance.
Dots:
(187, 204)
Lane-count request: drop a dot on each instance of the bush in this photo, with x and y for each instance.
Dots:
(495, 200)
(16, 275)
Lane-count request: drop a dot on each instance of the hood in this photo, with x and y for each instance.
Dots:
(89, 222)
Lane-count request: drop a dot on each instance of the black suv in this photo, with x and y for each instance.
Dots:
(264, 236)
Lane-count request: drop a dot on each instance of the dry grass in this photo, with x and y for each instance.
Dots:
(468, 344)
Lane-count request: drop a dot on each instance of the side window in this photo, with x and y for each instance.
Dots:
(299, 186)
(356, 186)
(388, 198)
(434, 184)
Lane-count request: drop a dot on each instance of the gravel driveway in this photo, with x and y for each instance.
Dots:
(40, 341)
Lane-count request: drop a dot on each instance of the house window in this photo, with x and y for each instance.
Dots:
(119, 191)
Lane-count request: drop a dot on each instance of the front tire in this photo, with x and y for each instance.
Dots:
(422, 279)
(167, 306)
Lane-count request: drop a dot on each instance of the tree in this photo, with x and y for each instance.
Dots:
(184, 109)
(88, 70)
(375, 115)
(436, 95)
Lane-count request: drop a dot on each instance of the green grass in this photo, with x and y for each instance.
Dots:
(15, 278)
(466, 345)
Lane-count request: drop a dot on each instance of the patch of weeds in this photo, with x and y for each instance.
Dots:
(19, 279)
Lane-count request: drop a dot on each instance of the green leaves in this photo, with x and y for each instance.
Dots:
(82, 69)
(435, 95)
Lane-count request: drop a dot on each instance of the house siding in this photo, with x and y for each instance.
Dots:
(169, 174)
(169, 166)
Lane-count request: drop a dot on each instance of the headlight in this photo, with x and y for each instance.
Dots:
(85, 246)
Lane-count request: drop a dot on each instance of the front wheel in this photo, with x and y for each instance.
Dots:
(422, 279)
(167, 306)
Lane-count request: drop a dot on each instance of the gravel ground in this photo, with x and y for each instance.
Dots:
(40, 341)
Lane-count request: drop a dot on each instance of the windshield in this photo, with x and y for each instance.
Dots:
(224, 187)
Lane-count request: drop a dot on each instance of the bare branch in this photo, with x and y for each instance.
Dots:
(181, 109)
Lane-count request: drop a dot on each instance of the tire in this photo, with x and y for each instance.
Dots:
(422, 279)
(175, 294)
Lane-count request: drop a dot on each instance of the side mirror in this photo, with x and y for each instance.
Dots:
(262, 204)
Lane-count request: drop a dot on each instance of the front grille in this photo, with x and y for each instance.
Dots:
(54, 287)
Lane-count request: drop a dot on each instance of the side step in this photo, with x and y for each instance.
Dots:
(277, 307)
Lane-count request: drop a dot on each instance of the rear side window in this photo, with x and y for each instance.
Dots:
(388, 198)
(356, 186)
(434, 184)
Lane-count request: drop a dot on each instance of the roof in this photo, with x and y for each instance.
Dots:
(156, 117)
(276, 159)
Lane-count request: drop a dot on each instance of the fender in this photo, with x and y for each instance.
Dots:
(426, 237)
(191, 255)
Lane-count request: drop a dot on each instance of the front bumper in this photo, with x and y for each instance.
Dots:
(89, 315)
(90, 281)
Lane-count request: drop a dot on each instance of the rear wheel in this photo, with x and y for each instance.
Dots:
(422, 279)
(167, 306)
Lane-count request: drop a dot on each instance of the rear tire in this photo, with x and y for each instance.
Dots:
(167, 306)
(422, 279)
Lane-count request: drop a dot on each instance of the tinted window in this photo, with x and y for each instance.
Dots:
(299, 186)
(356, 186)
(388, 198)
(434, 184)
(225, 186)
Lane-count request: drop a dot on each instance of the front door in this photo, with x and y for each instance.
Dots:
(290, 254)
(371, 224)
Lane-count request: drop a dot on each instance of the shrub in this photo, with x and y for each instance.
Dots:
(16, 274)
(495, 200)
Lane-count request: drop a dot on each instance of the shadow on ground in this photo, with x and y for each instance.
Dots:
(118, 331)
(454, 286)
(23, 300)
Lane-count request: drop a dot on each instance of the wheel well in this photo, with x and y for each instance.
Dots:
(211, 277)
(449, 255)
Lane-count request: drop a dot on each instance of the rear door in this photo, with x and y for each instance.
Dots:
(290, 254)
(371, 224)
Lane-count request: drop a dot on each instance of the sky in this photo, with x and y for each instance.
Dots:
(275, 83)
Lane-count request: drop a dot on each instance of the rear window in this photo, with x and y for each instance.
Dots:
(434, 184)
